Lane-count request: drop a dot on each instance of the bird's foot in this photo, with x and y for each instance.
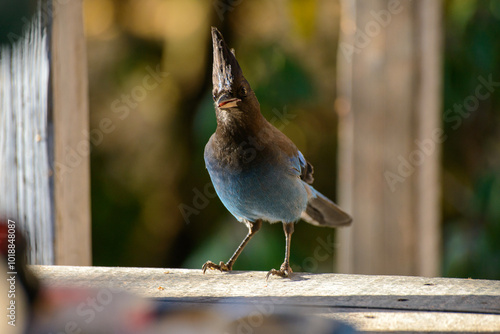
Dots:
(221, 266)
(285, 271)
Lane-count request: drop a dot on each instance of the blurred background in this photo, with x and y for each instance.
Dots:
(149, 67)
(152, 166)
(148, 173)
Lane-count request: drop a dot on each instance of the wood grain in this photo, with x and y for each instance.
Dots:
(25, 195)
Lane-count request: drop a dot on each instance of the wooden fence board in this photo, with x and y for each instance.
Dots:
(71, 146)
(389, 64)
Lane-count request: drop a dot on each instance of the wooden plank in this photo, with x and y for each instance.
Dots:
(24, 136)
(370, 303)
(42, 135)
(389, 88)
(71, 146)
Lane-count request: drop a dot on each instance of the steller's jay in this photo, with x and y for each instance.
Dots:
(258, 173)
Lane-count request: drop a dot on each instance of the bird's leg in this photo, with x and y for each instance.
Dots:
(285, 269)
(253, 227)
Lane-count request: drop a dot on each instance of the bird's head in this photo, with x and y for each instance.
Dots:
(232, 93)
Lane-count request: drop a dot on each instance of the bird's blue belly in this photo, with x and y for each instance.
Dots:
(264, 192)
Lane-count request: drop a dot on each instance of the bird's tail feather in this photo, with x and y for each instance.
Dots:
(321, 211)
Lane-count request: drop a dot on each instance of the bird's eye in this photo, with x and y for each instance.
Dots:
(242, 92)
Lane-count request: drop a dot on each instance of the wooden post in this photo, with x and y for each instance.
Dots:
(71, 146)
(24, 137)
(44, 151)
(389, 103)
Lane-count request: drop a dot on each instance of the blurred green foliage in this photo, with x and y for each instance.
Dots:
(471, 154)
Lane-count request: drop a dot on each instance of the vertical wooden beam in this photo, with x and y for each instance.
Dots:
(71, 147)
(428, 103)
(24, 137)
(389, 104)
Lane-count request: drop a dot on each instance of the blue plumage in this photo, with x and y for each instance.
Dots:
(270, 190)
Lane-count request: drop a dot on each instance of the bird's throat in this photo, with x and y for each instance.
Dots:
(234, 125)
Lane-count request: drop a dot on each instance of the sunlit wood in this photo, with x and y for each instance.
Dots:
(390, 72)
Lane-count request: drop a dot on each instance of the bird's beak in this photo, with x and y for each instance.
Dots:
(225, 70)
(225, 101)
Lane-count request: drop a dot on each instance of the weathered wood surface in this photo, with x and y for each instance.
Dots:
(44, 146)
(24, 138)
(370, 303)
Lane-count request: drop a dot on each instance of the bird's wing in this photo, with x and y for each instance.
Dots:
(307, 170)
(302, 168)
(298, 165)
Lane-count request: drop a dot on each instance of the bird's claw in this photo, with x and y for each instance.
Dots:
(285, 271)
(210, 265)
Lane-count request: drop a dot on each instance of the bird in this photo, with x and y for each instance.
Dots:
(257, 171)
